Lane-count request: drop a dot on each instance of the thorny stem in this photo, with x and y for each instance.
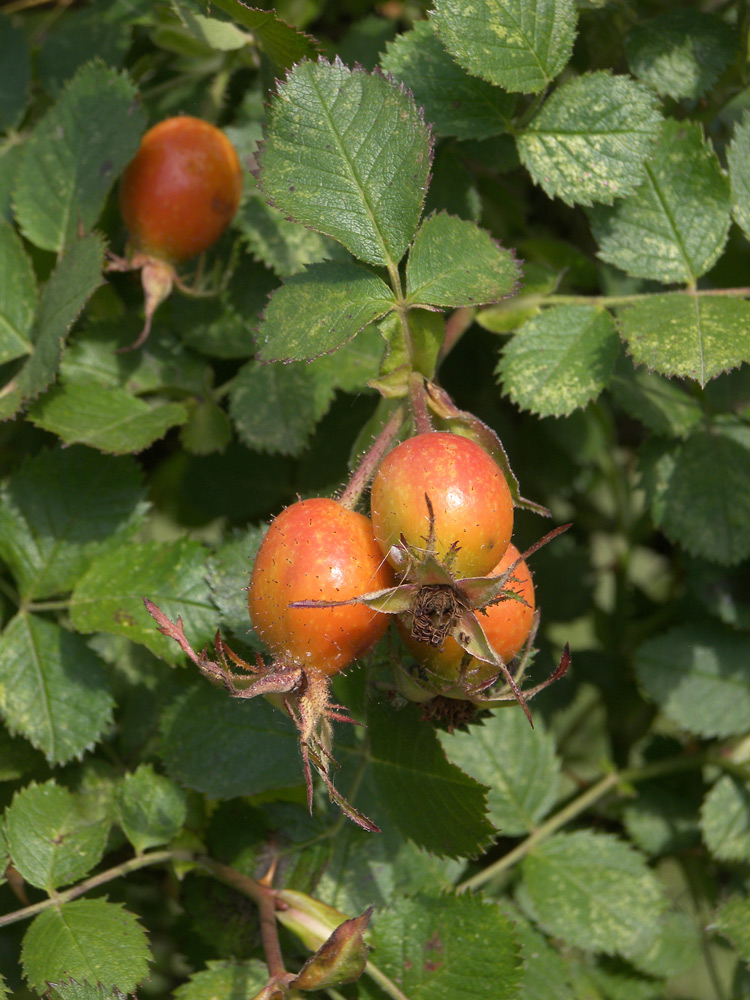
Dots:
(364, 472)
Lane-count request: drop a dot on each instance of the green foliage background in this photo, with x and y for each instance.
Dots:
(604, 147)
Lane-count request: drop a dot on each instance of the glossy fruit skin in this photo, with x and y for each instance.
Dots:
(182, 188)
(506, 625)
(317, 550)
(470, 498)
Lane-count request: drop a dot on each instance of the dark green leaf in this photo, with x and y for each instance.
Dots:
(520, 45)
(663, 818)
(673, 229)
(17, 296)
(16, 62)
(725, 819)
(108, 418)
(455, 263)
(10, 158)
(74, 155)
(228, 571)
(281, 42)
(348, 154)
(517, 763)
(738, 160)
(74, 280)
(560, 360)
(226, 980)
(150, 808)
(17, 757)
(680, 53)
(59, 510)
(88, 939)
(589, 140)
(662, 406)
(109, 597)
(733, 922)
(51, 840)
(593, 891)
(320, 309)
(453, 101)
(699, 675)
(225, 747)
(429, 800)
(699, 490)
(546, 974)
(53, 689)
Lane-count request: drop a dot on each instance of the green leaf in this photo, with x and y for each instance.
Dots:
(225, 747)
(225, 980)
(560, 360)
(317, 311)
(680, 53)
(69, 989)
(593, 891)
(69, 287)
(733, 922)
(74, 154)
(53, 689)
(59, 510)
(517, 763)
(88, 939)
(347, 153)
(455, 263)
(699, 675)
(440, 947)
(108, 418)
(282, 43)
(698, 490)
(662, 406)
(454, 102)
(663, 819)
(151, 809)
(16, 62)
(546, 974)
(687, 336)
(51, 840)
(227, 570)
(10, 158)
(520, 45)
(17, 295)
(673, 229)
(589, 140)
(17, 759)
(738, 161)
(725, 819)
(109, 597)
(674, 949)
(428, 799)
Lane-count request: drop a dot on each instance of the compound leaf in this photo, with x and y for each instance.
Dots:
(589, 140)
(150, 808)
(520, 45)
(725, 819)
(347, 153)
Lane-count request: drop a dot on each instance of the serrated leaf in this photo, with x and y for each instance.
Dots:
(151, 809)
(74, 154)
(279, 40)
(348, 154)
(70, 41)
(74, 280)
(725, 819)
(225, 980)
(455, 263)
(673, 229)
(699, 675)
(560, 360)
(546, 974)
(51, 840)
(109, 597)
(428, 799)
(16, 62)
(225, 747)
(53, 689)
(227, 571)
(687, 336)
(441, 947)
(17, 759)
(59, 510)
(520, 45)
(75, 941)
(108, 418)
(680, 53)
(659, 404)
(317, 311)
(733, 922)
(517, 763)
(593, 891)
(454, 102)
(69, 989)
(698, 490)
(17, 296)
(589, 140)
(738, 161)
